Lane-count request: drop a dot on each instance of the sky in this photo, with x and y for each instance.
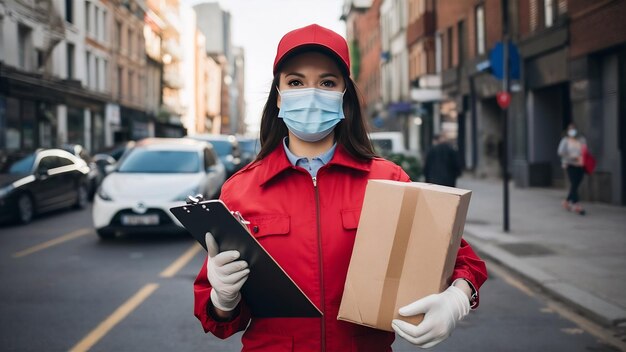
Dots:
(258, 25)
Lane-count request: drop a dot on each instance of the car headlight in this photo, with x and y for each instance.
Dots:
(103, 194)
(190, 192)
(4, 191)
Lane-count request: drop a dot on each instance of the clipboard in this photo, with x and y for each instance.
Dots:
(269, 291)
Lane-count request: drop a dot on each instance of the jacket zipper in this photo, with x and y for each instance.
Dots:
(321, 266)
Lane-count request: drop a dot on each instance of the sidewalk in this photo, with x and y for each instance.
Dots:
(579, 259)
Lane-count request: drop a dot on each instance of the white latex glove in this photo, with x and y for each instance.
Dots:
(442, 311)
(226, 275)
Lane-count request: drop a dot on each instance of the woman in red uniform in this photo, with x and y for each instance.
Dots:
(301, 196)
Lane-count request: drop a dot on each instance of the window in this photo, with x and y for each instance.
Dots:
(549, 12)
(1, 39)
(129, 39)
(88, 69)
(24, 47)
(64, 161)
(141, 160)
(105, 37)
(96, 70)
(131, 86)
(140, 48)
(449, 48)
(13, 124)
(461, 41)
(75, 125)
(120, 77)
(140, 85)
(96, 26)
(209, 158)
(70, 61)
(69, 11)
(118, 35)
(28, 121)
(47, 163)
(105, 75)
(40, 59)
(480, 29)
(87, 18)
(438, 54)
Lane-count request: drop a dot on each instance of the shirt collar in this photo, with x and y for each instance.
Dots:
(324, 157)
(277, 161)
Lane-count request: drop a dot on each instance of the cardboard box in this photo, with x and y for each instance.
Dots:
(405, 249)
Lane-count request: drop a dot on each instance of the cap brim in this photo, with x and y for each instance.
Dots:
(311, 47)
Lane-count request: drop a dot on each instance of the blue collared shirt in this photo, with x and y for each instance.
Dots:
(311, 165)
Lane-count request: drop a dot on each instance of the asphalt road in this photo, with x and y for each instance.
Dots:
(61, 289)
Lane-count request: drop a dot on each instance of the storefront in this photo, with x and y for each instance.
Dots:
(38, 112)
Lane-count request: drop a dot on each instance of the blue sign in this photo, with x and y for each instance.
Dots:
(497, 63)
(400, 107)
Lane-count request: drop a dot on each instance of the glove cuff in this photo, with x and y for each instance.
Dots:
(461, 303)
(223, 305)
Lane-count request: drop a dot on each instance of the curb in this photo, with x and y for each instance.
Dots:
(598, 309)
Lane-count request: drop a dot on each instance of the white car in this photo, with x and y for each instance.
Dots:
(388, 142)
(156, 175)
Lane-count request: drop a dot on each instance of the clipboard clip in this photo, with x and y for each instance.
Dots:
(239, 217)
(194, 200)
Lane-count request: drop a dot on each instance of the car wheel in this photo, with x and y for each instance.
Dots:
(105, 235)
(25, 208)
(82, 197)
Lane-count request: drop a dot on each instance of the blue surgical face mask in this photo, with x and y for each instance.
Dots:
(311, 113)
(572, 132)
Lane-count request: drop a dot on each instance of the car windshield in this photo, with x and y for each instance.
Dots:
(222, 148)
(160, 161)
(17, 166)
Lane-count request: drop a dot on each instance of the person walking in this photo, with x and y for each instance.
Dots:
(571, 152)
(300, 197)
(442, 165)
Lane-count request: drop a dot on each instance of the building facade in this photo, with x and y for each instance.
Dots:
(597, 74)
(469, 113)
(395, 69)
(363, 36)
(425, 84)
(216, 27)
(54, 82)
(573, 62)
(571, 69)
(238, 87)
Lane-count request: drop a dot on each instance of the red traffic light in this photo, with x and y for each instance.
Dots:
(504, 99)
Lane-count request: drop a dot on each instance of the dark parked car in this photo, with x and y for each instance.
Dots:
(227, 149)
(38, 182)
(95, 176)
(249, 148)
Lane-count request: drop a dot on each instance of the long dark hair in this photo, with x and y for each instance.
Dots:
(351, 132)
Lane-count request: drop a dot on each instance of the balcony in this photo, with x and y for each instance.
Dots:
(422, 27)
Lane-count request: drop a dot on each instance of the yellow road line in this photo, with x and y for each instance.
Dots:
(109, 323)
(491, 266)
(585, 324)
(179, 263)
(64, 238)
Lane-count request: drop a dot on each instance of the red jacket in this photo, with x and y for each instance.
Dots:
(285, 207)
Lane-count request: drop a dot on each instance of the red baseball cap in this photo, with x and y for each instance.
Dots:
(313, 35)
